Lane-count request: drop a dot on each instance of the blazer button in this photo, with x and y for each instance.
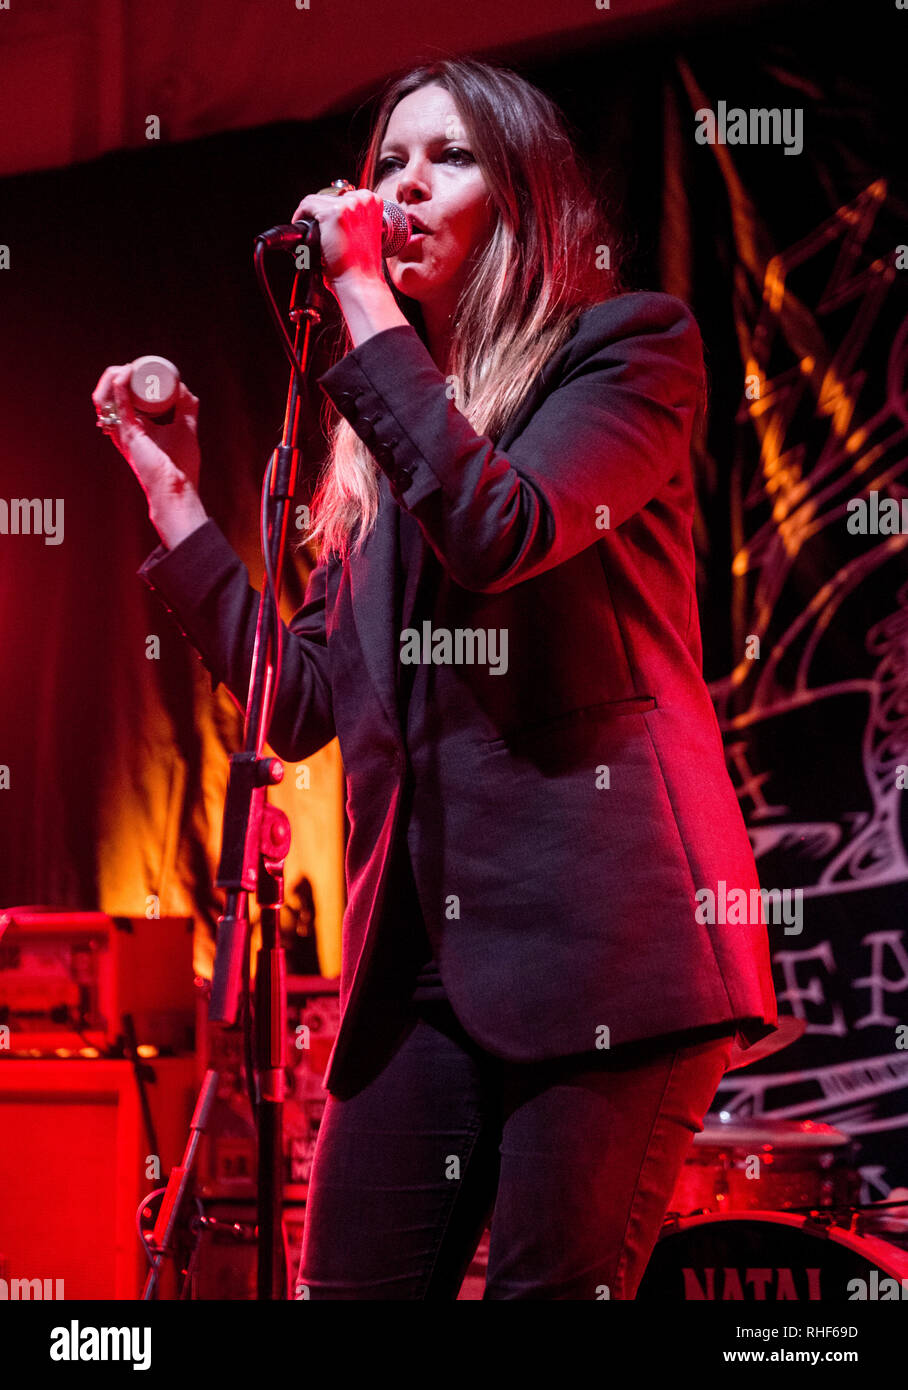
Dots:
(346, 403)
(383, 454)
(367, 423)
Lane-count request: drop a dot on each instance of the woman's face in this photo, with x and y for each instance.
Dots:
(425, 164)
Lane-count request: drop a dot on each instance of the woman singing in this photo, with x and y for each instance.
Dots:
(502, 631)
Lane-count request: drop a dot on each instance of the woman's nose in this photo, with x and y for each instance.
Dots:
(412, 186)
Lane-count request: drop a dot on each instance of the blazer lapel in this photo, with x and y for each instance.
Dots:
(373, 596)
(375, 576)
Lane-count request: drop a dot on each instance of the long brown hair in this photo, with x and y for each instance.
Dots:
(551, 252)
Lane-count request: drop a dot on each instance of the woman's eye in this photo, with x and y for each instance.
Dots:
(384, 165)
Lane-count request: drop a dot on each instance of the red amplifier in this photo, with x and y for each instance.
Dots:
(67, 979)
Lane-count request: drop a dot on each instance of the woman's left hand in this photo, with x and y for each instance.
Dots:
(350, 231)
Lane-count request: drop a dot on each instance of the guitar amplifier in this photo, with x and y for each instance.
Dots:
(67, 979)
(77, 1160)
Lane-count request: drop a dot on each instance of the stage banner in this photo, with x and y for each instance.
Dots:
(785, 228)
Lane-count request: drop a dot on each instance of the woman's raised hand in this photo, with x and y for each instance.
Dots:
(164, 458)
(152, 450)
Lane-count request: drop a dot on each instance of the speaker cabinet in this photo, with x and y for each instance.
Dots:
(73, 1167)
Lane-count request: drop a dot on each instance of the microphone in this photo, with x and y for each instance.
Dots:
(395, 231)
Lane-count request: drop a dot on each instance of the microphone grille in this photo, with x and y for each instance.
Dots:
(395, 229)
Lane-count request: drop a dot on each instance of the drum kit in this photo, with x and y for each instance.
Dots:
(768, 1210)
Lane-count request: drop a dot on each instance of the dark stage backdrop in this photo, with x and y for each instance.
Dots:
(117, 762)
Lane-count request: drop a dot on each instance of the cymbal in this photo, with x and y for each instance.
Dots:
(756, 1131)
(788, 1031)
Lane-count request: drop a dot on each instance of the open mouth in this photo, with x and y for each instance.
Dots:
(418, 228)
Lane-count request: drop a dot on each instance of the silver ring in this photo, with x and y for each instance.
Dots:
(108, 419)
(338, 187)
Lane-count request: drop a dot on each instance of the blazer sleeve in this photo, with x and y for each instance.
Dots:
(205, 584)
(610, 434)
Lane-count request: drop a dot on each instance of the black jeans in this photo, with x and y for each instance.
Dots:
(577, 1158)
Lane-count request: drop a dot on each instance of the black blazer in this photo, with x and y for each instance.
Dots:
(560, 815)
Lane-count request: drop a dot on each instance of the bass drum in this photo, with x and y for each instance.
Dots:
(770, 1257)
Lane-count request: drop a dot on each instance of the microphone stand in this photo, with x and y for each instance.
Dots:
(256, 836)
